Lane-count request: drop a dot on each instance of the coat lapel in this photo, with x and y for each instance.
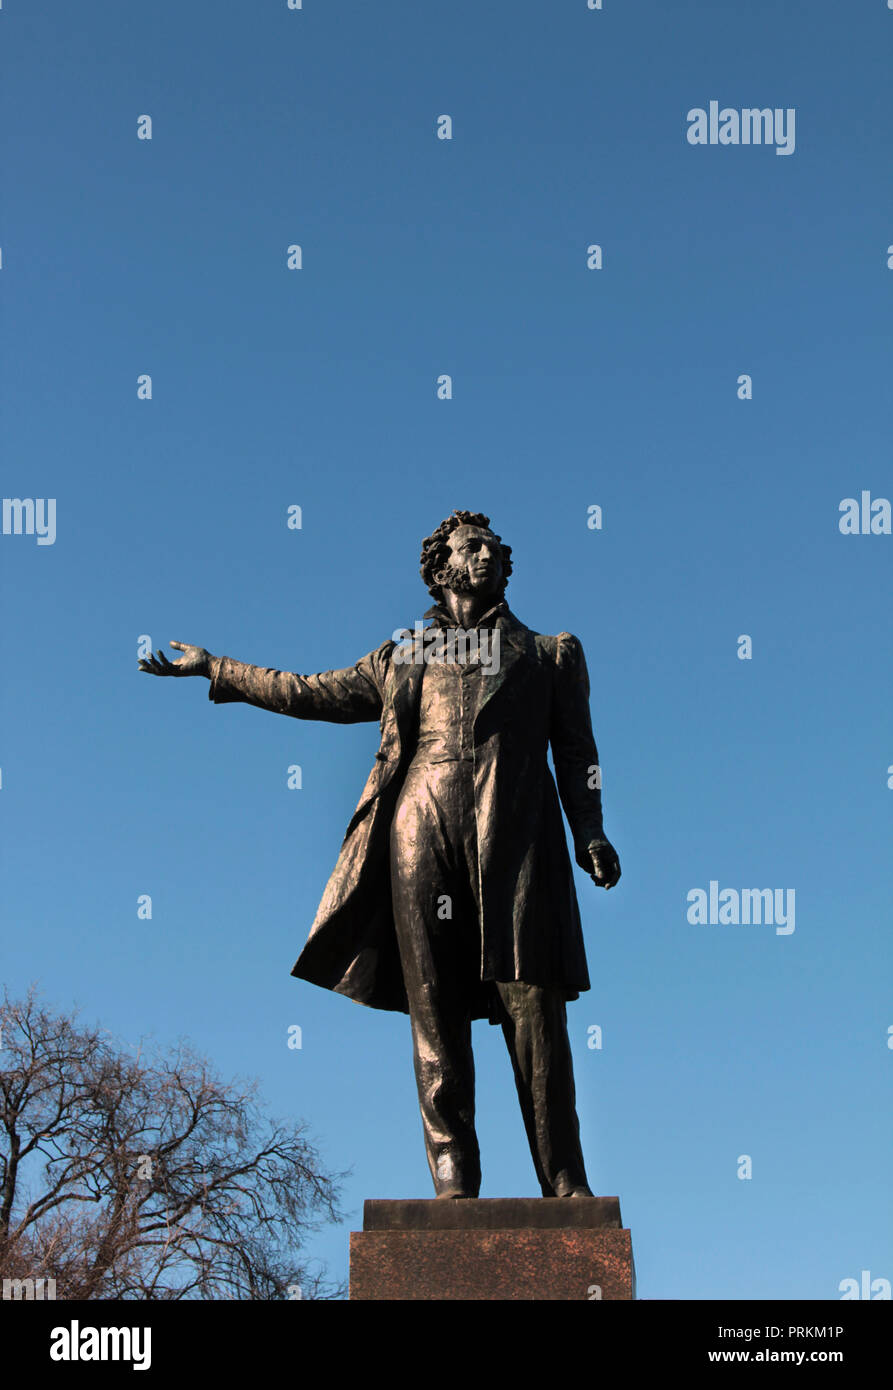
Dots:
(516, 648)
(406, 692)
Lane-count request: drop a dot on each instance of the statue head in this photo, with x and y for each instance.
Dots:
(466, 557)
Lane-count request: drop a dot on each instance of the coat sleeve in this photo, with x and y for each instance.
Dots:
(349, 696)
(573, 748)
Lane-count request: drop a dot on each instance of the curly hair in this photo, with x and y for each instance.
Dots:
(436, 551)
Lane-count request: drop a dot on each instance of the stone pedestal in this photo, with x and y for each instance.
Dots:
(493, 1248)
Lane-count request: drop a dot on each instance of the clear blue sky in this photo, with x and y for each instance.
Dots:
(571, 388)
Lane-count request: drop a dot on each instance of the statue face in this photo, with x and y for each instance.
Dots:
(475, 563)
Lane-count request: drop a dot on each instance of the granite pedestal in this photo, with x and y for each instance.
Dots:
(516, 1248)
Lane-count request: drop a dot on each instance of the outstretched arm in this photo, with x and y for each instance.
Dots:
(577, 769)
(348, 696)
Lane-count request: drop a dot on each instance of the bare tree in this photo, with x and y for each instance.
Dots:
(146, 1176)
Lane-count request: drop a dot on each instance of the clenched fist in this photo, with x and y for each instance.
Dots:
(605, 864)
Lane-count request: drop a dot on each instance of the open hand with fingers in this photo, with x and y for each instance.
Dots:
(195, 661)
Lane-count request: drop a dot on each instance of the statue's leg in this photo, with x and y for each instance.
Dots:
(535, 1030)
(436, 924)
(444, 1069)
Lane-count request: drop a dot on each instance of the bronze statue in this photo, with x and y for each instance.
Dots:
(453, 896)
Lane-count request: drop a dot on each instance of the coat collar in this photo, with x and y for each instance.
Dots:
(500, 615)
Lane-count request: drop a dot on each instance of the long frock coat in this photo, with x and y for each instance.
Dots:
(530, 919)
